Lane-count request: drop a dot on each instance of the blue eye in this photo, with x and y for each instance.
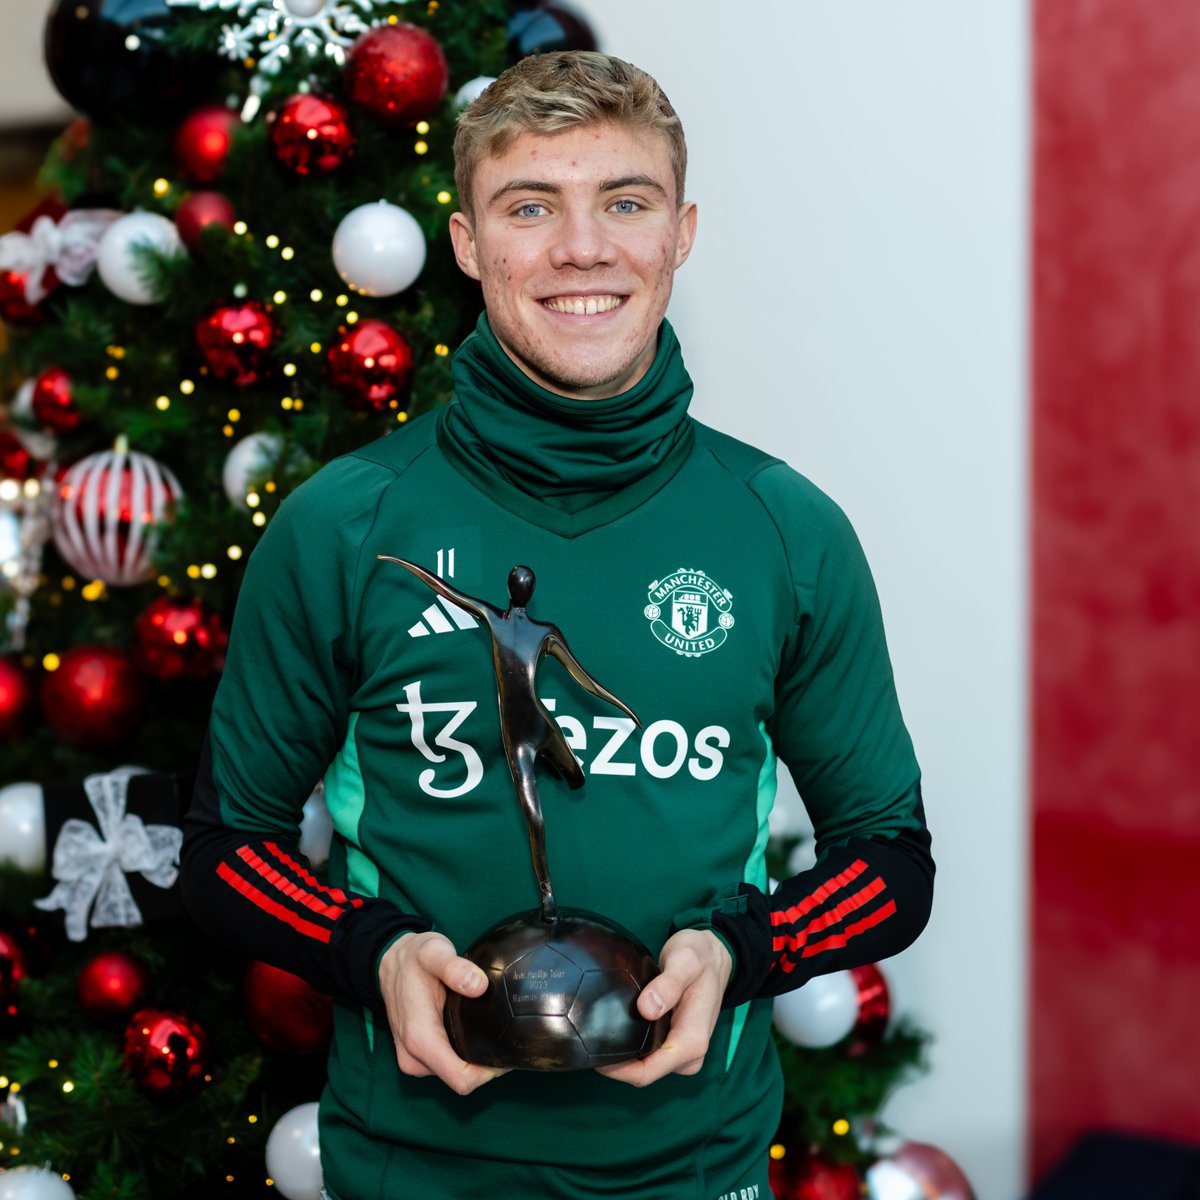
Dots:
(626, 206)
(530, 210)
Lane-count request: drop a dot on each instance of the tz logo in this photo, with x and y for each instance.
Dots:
(444, 741)
(689, 613)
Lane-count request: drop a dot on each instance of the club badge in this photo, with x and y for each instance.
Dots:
(689, 613)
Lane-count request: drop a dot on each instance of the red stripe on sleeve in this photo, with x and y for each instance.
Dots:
(832, 917)
(269, 906)
(332, 892)
(827, 889)
(837, 940)
(287, 887)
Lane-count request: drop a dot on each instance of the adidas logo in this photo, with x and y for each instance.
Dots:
(443, 616)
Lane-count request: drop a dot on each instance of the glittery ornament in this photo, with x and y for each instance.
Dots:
(235, 342)
(16, 462)
(286, 1014)
(874, 1005)
(202, 142)
(180, 637)
(397, 73)
(918, 1169)
(813, 1177)
(16, 702)
(311, 134)
(112, 985)
(370, 364)
(95, 699)
(109, 507)
(166, 1052)
(14, 308)
(198, 212)
(54, 407)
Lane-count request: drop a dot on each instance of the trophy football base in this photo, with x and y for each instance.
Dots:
(561, 996)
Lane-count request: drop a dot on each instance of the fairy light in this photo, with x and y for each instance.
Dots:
(444, 197)
(31, 489)
(777, 1151)
(234, 553)
(94, 590)
(253, 499)
(3, 1081)
(10, 489)
(68, 585)
(193, 571)
(441, 349)
(297, 404)
(161, 187)
(287, 254)
(208, 571)
(68, 1086)
(351, 317)
(402, 417)
(228, 430)
(315, 347)
(316, 295)
(51, 662)
(162, 403)
(231, 1141)
(187, 387)
(269, 486)
(422, 127)
(111, 372)
(163, 581)
(280, 297)
(240, 228)
(117, 352)
(259, 519)
(342, 301)
(234, 414)
(421, 148)
(286, 403)
(271, 241)
(252, 1119)
(52, 1063)
(289, 369)
(841, 1127)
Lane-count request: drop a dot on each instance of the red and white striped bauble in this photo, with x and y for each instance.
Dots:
(109, 508)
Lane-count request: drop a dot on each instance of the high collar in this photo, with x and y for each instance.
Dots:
(566, 453)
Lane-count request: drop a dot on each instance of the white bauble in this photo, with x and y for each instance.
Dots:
(472, 90)
(34, 1183)
(304, 8)
(250, 459)
(23, 827)
(117, 264)
(294, 1154)
(820, 1013)
(379, 249)
(316, 828)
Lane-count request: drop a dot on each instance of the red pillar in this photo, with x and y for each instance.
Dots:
(1115, 1039)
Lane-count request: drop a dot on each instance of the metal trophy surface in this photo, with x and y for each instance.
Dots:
(563, 982)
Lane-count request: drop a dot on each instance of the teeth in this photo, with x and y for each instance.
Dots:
(583, 306)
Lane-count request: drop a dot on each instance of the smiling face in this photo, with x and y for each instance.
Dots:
(575, 238)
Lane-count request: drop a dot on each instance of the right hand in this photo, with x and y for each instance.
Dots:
(414, 974)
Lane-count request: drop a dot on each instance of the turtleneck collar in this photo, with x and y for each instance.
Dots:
(567, 454)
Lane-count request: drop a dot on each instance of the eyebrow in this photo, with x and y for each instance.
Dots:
(553, 189)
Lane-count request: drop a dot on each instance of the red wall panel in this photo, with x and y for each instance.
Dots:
(1116, 571)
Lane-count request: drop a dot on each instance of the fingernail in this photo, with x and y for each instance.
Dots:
(656, 1004)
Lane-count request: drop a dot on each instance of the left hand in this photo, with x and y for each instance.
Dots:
(695, 969)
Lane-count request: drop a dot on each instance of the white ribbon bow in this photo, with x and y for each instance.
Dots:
(91, 866)
(69, 246)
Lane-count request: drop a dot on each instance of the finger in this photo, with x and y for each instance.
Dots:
(458, 974)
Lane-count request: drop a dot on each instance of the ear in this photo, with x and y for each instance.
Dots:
(686, 232)
(462, 237)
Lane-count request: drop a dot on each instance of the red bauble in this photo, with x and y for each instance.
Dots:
(112, 985)
(202, 142)
(165, 1052)
(286, 1014)
(95, 699)
(180, 637)
(235, 340)
(199, 211)
(370, 364)
(53, 405)
(14, 308)
(815, 1178)
(16, 699)
(311, 134)
(397, 73)
(12, 971)
(15, 460)
(874, 1005)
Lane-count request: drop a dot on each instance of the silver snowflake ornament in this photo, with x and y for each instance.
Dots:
(271, 32)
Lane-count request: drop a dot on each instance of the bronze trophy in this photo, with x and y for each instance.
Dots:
(563, 983)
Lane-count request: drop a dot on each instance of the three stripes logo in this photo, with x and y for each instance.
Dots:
(443, 616)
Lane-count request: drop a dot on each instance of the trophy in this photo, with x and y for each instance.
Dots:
(563, 982)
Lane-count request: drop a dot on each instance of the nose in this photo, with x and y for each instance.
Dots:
(583, 242)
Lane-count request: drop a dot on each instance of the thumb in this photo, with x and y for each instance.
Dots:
(464, 977)
(660, 995)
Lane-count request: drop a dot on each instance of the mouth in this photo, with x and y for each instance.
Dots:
(583, 306)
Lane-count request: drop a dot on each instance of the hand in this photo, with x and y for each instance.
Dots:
(414, 974)
(695, 969)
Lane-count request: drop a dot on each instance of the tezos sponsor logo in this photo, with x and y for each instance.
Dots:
(689, 613)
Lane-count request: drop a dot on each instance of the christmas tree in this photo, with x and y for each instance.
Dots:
(240, 269)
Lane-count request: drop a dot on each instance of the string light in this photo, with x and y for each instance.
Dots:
(52, 1063)
(441, 349)
(271, 241)
(161, 187)
(280, 297)
(269, 485)
(444, 197)
(68, 584)
(162, 403)
(51, 662)
(94, 590)
(315, 347)
(68, 1087)
(253, 499)
(421, 148)
(287, 254)
(234, 414)
(402, 417)
(351, 317)
(116, 351)
(777, 1151)
(289, 369)
(841, 1127)
(252, 1119)
(240, 228)
(228, 430)
(297, 404)
(234, 552)
(208, 571)
(193, 571)
(10, 489)
(286, 403)
(111, 372)
(231, 1141)
(316, 295)
(422, 127)
(163, 581)
(342, 301)
(187, 387)
(259, 519)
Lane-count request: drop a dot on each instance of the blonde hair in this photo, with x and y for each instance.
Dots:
(547, 93)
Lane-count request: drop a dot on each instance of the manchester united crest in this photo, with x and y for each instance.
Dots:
(689, 613)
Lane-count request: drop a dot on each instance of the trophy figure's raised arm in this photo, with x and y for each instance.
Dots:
(563, 984)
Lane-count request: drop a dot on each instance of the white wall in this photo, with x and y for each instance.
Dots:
(27, 97)
(856, 303)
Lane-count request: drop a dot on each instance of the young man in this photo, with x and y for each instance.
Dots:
(714, 590)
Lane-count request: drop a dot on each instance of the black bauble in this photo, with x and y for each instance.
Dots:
(561, 996)
(110, 60)
(541, 28)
